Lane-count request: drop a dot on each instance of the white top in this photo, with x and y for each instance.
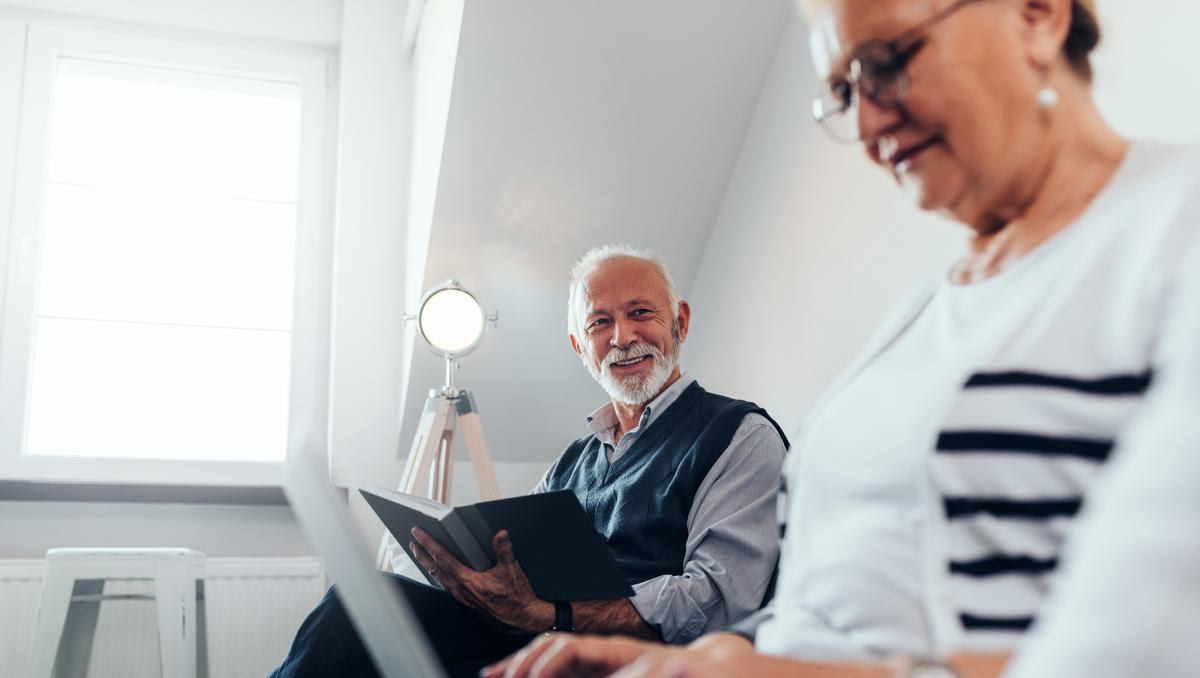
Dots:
(867, 556)
(1130, 600)
(858, 492)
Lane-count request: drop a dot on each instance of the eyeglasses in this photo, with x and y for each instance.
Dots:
(878, 71)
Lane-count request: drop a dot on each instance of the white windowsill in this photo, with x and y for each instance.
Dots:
(18, 490)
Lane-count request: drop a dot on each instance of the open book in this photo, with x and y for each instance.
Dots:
(553, 539)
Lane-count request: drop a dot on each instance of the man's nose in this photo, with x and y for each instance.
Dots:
(623, 334)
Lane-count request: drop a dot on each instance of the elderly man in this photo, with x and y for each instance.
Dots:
(680, 483)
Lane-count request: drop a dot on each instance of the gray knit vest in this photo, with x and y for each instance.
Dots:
(640, 502)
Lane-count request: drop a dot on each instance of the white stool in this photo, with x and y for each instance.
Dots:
(74, 586)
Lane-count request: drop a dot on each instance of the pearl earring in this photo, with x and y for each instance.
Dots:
(1047, 98)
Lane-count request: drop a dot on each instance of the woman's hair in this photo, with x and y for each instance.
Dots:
(1082, 37)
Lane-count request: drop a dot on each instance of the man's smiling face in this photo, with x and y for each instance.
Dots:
(630, 337)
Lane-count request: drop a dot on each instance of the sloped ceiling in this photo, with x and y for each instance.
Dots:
(572, 124)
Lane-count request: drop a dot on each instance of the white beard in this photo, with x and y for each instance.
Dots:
(634, 389)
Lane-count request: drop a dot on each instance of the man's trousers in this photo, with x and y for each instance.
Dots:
(327, 644)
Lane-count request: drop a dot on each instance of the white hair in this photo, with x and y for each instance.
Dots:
(591, 261)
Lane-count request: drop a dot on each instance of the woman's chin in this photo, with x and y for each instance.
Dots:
(919, 192)
(928, 194)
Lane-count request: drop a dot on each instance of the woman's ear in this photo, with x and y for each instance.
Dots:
(1047, 23)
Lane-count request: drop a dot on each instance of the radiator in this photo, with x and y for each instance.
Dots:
(253, 608)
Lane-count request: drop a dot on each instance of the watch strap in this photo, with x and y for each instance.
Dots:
(564, 618)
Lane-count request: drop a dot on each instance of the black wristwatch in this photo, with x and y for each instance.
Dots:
(564, 620)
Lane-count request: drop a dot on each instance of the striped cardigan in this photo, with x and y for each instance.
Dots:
(1013, 463)
(1028, 434)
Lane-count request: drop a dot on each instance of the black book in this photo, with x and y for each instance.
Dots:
(552, 538)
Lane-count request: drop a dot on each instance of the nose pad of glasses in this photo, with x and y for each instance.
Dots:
(835, 112)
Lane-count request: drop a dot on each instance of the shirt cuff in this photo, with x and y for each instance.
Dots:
(662, 605)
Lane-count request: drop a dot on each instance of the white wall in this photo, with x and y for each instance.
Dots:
(368, 369)
(1146, 83)
(31, 527)
(813, 245)
(574, 124)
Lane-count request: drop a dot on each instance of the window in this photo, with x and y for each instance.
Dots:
(163, 287)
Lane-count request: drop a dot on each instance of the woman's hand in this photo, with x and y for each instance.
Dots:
(563, 655)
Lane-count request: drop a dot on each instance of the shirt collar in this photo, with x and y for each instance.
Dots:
(603, 422)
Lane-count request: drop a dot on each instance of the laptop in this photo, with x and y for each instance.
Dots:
(382, 616)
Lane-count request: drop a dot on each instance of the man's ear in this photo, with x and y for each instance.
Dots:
(575, 345)
(685, 318)
(1047, 23)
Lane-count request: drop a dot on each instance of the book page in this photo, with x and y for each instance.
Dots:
(430, 507)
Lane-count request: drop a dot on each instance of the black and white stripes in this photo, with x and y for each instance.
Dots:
(1000, 442)
(1030, 509)
(1116, 385)
(1013, 463)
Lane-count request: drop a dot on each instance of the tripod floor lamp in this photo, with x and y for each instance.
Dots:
(451, 321)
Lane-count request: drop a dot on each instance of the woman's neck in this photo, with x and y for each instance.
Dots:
(1071, 174)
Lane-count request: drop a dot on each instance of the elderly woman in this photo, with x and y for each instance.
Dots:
(933, 487)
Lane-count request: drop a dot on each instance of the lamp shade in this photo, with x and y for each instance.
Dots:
(451, 320)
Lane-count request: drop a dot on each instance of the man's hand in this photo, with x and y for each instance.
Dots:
(554, 655)
(503, 592)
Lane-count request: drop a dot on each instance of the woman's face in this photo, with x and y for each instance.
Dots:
(968, 123)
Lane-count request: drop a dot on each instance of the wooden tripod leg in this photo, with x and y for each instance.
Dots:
(481, 458)
(421, 456)
(418, 482)
(443, 474)
(426, 431)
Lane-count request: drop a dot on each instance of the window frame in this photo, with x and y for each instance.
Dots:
(20, 229)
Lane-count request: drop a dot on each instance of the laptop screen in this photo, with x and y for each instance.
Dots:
(383, 618)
